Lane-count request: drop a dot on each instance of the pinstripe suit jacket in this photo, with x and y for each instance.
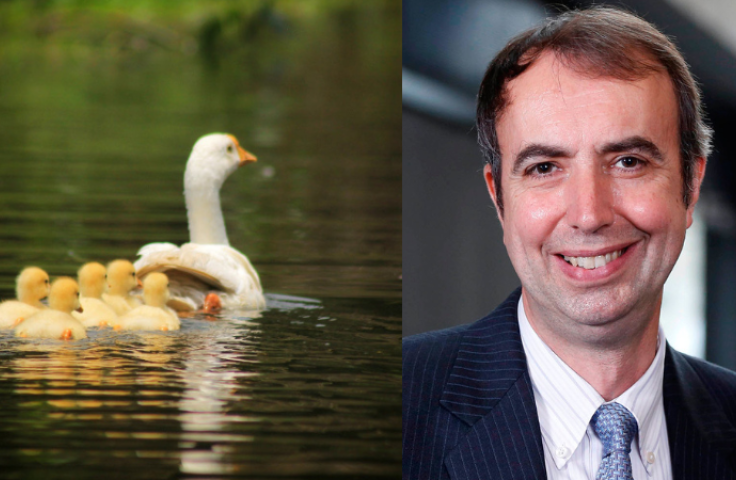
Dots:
(469, 411)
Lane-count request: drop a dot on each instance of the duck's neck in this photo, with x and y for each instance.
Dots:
(91, 291)
(61, 304)
(117, 289)
(206, 223)
(30, 300)
(154, 300)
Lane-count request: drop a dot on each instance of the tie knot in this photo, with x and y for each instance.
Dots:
(616, 426)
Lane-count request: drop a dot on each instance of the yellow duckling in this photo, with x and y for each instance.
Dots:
(121, 280)
(31, 286)
(154, 315)
(56, 322)
(96, 313)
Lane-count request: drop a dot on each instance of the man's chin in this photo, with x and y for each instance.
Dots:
(595, 307)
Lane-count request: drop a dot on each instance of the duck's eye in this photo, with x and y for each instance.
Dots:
(229, 149)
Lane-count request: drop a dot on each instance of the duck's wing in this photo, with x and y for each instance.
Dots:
(157, 257)
(202, 262)
(194, 269)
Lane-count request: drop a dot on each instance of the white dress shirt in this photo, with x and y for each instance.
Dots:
(566, 403)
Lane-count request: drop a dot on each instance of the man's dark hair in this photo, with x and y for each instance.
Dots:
(596, 42)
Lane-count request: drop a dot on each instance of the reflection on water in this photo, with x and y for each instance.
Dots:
(92, 154)
(317, 392)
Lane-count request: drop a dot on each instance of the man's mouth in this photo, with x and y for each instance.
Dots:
(591, 263)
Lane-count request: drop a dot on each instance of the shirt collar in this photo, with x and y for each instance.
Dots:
(566, 402)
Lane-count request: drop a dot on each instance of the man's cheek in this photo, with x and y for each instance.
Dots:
(649, 212)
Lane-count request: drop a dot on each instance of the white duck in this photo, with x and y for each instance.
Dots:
(55, 322)
(121, 279)
(31, 286)
(208, 263)
(96, 313)
(154, 315)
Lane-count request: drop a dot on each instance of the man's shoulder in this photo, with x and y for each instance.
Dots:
(439, 348)
(707, 390)
(428, 362)
(414, 344)
(450, 337)
(720, 382)
(430, 354)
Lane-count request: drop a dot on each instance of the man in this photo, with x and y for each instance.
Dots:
(596, 151)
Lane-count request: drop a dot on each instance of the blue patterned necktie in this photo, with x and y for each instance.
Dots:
(616, 427)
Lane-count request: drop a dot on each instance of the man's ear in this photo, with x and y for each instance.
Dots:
(697, 182)
(488, 176)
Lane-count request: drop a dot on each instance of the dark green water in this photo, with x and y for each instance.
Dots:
(92, 153)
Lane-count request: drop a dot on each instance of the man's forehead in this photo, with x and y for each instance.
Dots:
(549, 72)
(550, 100)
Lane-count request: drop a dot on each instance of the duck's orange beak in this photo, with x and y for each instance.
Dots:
(245, 156)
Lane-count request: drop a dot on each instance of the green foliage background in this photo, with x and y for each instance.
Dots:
(184, 26)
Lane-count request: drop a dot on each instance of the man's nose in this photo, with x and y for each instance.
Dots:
(590, 201)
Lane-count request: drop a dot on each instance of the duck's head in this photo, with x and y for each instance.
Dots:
(92, 279)
(32, 285)
(213, 158)
(121, 277)
(156, 289)
(64, 295)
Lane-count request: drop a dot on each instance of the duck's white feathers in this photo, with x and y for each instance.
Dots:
(195, 269)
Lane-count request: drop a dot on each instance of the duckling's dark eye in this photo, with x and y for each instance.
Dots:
(229, 149)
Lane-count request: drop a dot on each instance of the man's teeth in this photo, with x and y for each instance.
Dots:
(589, 263)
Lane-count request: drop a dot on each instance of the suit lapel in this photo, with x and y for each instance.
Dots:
(489, 389)
(702, 439)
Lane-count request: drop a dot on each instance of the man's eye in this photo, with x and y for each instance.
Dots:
(630, 162)
(544, 168)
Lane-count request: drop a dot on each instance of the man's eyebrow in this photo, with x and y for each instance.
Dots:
(635, 143)
(534, 150)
